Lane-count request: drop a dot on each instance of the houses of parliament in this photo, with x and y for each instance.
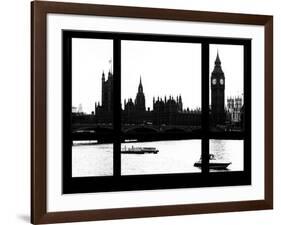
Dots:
(167, 110)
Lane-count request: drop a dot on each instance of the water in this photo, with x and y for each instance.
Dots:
(92, 160)
(229, 151)
(173, 157)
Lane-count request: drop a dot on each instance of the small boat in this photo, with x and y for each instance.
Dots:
(139, 150)
(214, 163)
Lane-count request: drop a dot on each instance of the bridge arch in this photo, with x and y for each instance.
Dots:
(141, 129)
(175, 130)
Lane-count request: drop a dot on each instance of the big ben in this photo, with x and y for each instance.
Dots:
(217, 87)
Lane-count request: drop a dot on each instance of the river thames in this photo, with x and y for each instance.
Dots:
(173, 157)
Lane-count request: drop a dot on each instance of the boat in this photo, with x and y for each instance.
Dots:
(139, 150)
(214, 163)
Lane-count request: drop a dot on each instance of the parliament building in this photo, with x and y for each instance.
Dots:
(166, 110)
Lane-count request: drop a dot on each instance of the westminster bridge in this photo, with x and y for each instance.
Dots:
(141, 132)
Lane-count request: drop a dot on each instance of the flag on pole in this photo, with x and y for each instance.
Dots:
(110, 62)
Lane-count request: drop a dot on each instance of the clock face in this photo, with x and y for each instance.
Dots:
(214, 81)
(221, 81)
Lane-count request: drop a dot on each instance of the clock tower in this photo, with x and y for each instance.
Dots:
(217, 88)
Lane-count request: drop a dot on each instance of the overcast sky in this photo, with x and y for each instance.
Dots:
(90, 57)
(165, 69)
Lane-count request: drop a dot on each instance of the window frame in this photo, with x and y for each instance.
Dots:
(119, 182)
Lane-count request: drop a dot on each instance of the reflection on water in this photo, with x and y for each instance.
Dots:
(228, 151)
(173, 157)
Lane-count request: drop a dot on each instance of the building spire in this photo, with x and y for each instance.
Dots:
(217, 69)
(218, 61)
(140, 89)
(103, 77)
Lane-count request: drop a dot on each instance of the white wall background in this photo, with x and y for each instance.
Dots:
(15, 111)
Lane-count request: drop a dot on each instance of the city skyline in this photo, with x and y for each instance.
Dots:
(159, 98)
(91, 57)
(167, 116)
(155, 98)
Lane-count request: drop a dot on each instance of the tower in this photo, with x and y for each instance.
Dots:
(217, 95)
(107, 92)
(103, 89)
(180, 104)
(230, 104)
(140, 99)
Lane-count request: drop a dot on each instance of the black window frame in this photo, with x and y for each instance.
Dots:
(119, 182)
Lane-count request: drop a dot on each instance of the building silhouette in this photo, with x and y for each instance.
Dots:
(104, 111)
(224, 117)
(217, 93)
(140, 99)
(166, 111)
(234, 111)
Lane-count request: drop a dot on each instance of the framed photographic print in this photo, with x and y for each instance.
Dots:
(140, 112)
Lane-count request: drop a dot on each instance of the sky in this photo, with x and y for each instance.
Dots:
(165, 69)
(90, 57)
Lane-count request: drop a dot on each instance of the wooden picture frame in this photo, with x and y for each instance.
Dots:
(39, 11)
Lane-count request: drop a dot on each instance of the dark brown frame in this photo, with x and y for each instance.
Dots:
(39, 11)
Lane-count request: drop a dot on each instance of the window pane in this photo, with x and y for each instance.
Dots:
(92, 107)
(92, 159)
(160, 157)
(226, 87)
(226, 155)
(161, 102)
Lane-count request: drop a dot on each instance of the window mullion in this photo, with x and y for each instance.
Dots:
(117, 106)
(205, 107)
